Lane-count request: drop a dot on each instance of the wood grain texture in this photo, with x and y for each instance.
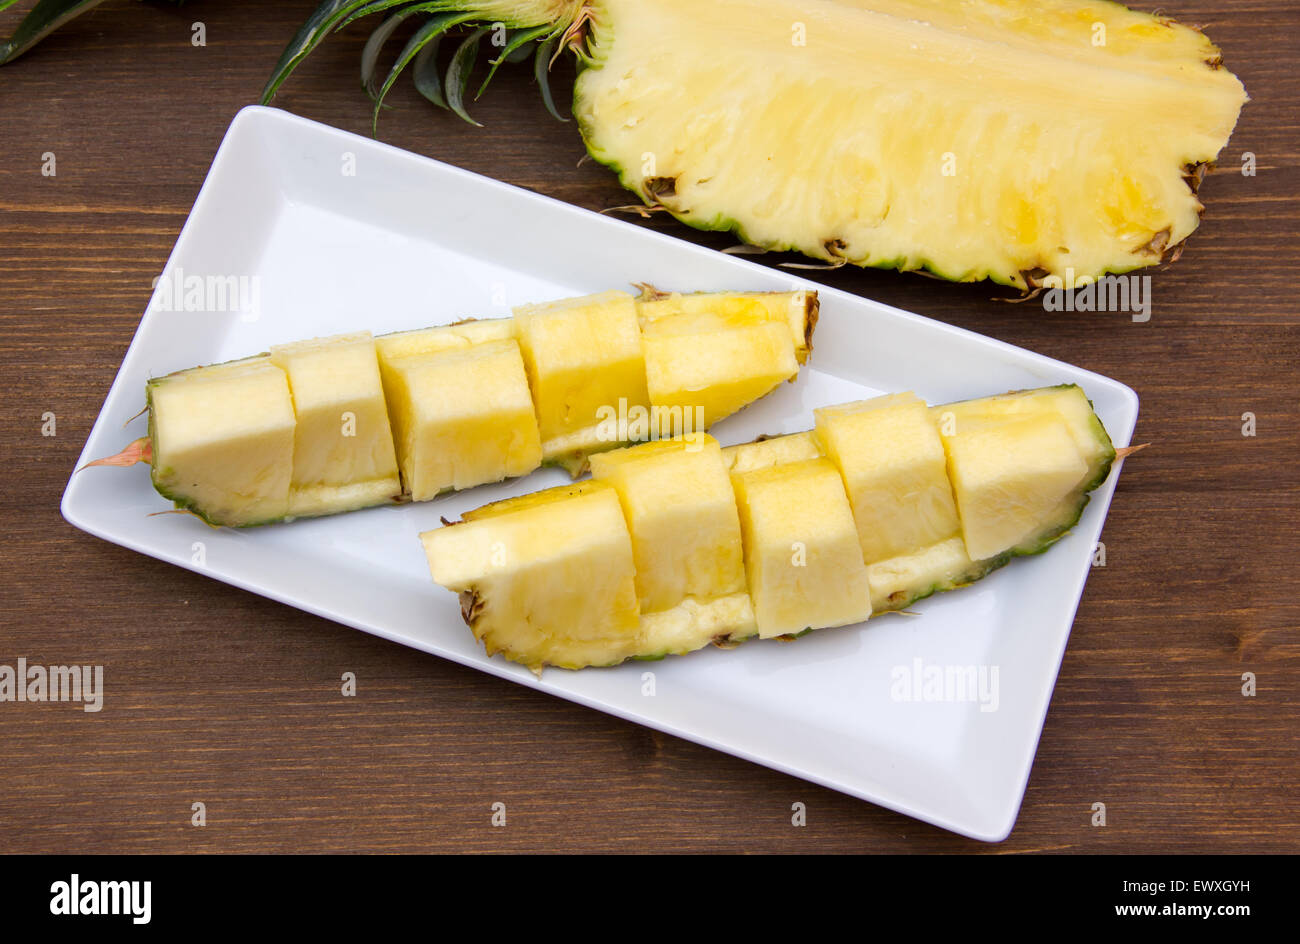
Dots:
(221, 696)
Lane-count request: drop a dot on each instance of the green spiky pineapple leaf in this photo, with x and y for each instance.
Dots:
(448, 91)
(42, 20)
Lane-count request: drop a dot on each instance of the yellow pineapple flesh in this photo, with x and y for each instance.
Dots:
(462, 416)
(690, 572)
(802, 555)
(550, 581)
(343, 448)
(223, 440)
(892, 460)
(584, 357)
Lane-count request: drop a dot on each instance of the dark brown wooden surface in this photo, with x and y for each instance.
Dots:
(218, 695)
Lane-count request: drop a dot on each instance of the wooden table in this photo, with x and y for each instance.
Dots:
(220, 696)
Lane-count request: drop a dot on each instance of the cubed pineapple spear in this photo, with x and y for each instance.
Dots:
(341, 423)
(675, 544)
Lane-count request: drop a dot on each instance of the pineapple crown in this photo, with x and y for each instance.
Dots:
(516, 30)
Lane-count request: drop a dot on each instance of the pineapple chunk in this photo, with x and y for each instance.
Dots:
(802, 555)
(442, 337)
(222, 440)
(343, 448)
(711, 374)
(892, 460)
(681, 511)
(549, 581)
(1018, 482)
(776, 450)
(583, 357)
(1067, 401)
(462, 416)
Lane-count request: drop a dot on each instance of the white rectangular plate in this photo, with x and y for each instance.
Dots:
(337, 232)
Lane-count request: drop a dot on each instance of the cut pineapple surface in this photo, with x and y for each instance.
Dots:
(546, 582)
(682, 513)
(223, 441)
(1066, 401)
(343, 448)
(1014, 481)
(584, 357)
(701, 312)
(892, 460)
(690, 569)
(462, 417)
(710, 375)
(910, 134)
(802, 556)
(767, 538)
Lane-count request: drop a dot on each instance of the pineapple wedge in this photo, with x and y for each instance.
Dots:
(802, 555)
(1066, 401)
(690, 571)
(1017, 469)
(545, 580)
(584, 358)
(895, 582)
(462, 416)
(223, 441)
(418, 413)
(343, 449)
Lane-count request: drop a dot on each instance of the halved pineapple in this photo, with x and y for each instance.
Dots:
(802, 556)
(690, 570)
(1007, 139)
(343, 448)
(549, 580)
(462, 416)
(584, 358)
(223, 440)
(909, 133)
